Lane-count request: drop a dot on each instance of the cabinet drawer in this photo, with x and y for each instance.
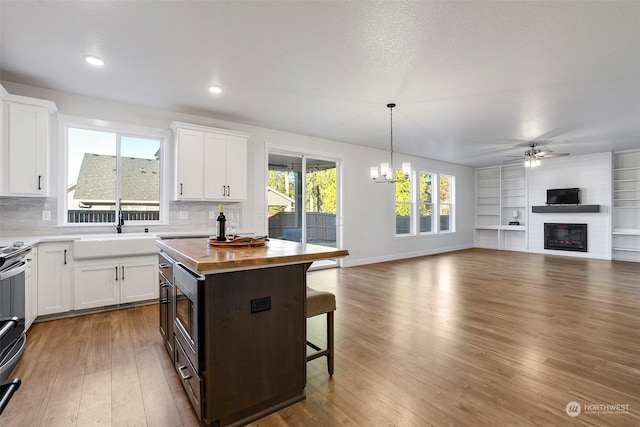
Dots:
(189, 378)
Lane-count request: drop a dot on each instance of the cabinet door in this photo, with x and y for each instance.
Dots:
(54, 278)
(138, 279)
(190, 146)
(96, 284)
(31, 289)
(236, 168)
(28, 139)
(215, 169)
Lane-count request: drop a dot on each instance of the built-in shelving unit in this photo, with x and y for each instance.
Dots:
(626, 205)
(501, 191)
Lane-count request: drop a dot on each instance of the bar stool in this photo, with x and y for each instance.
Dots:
(319, 302)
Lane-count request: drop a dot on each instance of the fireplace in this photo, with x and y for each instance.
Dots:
(565, 237)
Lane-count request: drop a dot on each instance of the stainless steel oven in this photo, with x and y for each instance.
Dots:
(165, 293)
(12, 308)
(187, 329)
(186, 310)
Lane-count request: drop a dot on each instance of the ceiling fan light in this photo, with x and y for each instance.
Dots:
(536, 163)
(527, 163)
(215, 89)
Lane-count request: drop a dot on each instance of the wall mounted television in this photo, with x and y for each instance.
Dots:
(563, 196)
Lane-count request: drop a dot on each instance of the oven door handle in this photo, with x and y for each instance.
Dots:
(15, 270)
(8, 326)
(10, 388)
(192, 273)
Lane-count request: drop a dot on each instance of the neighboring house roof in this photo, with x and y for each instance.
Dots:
(96, 179)
(277, 198)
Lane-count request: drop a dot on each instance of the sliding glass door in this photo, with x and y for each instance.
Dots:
(303, 199)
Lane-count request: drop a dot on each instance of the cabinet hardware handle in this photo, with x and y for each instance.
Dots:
(181, 189)
(39, 182)
(165, 284)
(184, 377)
(65, 257)
(122, 272)
(164, 301)
(116, 273)
(165, 265)
(228, 191)
(224, 190)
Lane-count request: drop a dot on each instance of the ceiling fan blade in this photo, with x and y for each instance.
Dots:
(550, 155)
(513, 160)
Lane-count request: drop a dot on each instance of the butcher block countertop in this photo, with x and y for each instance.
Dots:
(197, 255)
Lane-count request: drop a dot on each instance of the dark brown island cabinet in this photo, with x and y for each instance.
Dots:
(239, 329)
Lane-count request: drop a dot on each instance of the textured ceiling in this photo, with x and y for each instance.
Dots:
(473, 81)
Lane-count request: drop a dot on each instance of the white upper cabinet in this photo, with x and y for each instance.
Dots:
(211, 163)
(24, 147)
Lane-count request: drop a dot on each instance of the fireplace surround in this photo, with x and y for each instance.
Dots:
(565, 237)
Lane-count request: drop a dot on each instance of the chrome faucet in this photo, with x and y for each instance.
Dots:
(120, 222)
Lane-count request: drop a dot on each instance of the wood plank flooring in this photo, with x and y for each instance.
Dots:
(469, 338)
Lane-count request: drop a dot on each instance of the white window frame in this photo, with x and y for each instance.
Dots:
(435, 205)
(452, 198)
(65, 122)
(411, 203)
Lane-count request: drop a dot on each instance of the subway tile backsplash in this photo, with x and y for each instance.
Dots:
(22, 216)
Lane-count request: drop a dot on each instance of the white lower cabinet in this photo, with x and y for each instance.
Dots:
(112, 281)
(54, 278)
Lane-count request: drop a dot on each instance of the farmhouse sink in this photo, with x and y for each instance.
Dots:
(121, 236)
(115, 245)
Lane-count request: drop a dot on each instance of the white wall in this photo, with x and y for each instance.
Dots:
(368, 208)
(592, 174)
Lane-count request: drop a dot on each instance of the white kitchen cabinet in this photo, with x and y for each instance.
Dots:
(31, 288)
(100, 283)
(25, 147)
(54, 278)
(211, 163)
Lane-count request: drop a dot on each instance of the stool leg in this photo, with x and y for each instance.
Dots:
(330, 342)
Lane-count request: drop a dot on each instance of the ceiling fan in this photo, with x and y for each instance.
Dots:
(533, 155)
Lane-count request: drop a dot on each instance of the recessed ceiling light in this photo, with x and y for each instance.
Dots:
(94, 60)
(215, 89)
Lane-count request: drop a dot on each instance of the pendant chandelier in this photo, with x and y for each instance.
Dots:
(387, 173)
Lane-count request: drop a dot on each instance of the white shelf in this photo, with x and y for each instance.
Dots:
(626, 232)
(487, 227)
(513, 227)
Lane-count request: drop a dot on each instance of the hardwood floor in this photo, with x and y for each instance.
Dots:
(469, 338)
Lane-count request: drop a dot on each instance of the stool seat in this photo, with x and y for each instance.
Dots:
(320, 302)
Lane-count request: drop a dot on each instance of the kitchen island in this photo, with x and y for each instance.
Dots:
(240, 325)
